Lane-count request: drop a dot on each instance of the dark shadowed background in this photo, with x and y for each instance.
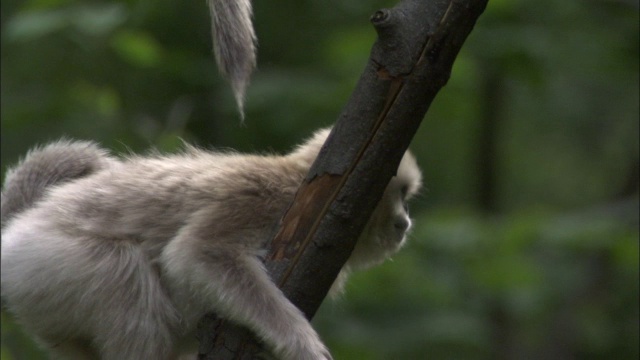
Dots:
(526, 236)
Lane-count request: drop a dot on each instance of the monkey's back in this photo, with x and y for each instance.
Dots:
(150, 198)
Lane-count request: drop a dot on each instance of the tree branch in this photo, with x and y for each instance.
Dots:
(418, 41)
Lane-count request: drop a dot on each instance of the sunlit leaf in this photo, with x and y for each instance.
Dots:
(32, 25)
(99, 20)
(137, 48)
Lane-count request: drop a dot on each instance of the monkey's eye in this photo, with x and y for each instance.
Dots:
(404, 190)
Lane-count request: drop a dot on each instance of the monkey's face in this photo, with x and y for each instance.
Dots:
(387, 229)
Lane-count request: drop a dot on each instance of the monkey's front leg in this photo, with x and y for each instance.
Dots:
(237, 287)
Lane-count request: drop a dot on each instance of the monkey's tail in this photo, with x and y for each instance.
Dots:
(53, 164)
(234, 43)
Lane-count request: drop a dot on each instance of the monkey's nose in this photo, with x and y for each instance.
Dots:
(402, 224)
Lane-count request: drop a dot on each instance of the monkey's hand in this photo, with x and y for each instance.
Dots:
(303, 343)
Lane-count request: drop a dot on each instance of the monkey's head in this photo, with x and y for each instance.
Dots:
(387, 229)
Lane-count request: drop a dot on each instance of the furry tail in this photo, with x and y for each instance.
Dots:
(53, 164)
(234, 43)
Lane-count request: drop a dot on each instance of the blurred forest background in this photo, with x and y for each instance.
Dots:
(526, 236)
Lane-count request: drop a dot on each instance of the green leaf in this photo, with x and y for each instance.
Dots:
(137, 48)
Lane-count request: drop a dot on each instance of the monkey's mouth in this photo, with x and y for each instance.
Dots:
(393, 243)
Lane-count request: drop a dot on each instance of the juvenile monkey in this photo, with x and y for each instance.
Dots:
(121, 258)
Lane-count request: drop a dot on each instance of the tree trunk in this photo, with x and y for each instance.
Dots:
(418, 41)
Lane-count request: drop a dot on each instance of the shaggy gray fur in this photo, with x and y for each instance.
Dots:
(119, 259)
(234, 43)
(57, 163)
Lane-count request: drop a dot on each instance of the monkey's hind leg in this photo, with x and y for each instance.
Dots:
(140, 321)
(86, 294)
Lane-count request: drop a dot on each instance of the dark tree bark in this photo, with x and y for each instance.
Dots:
(418, 41)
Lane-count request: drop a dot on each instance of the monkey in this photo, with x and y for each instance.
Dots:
(118, 258)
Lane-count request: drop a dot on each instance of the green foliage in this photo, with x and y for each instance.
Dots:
(525, 286)
(15, 344)
(538, 260)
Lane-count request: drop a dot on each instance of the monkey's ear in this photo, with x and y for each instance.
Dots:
(410, 175)
(234, 44)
